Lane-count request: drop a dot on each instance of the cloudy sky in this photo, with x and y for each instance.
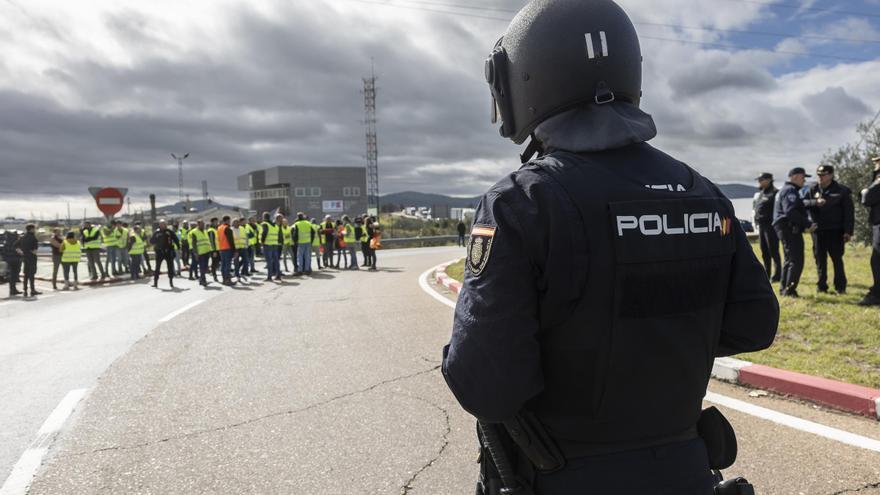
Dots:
(101, 92)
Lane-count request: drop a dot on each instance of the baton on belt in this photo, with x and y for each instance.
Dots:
(492, 442)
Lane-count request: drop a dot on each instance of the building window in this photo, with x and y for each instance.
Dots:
(350, 192)
(299, 192)
(276, 193)
(315, 192)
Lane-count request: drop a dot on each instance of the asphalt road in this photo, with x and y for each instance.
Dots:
(328, 384)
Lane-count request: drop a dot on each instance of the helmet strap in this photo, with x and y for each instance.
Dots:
(534, 147)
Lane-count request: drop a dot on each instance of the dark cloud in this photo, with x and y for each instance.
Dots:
(718, 72)
(835, 107)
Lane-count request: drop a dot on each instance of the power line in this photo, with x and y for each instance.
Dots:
(746, 47)
(791, 6)
(401, 4)
(689, 42)
(759, 33)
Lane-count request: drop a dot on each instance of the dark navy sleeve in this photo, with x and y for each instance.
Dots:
(751, 311)
(849, 211)
(793, 209)
(492, 363)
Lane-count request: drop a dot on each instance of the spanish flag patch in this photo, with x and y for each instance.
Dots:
(480, 248)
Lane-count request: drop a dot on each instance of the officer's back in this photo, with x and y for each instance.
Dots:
(604, 277)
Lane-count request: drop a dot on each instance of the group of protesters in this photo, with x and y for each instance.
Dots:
(200, 248)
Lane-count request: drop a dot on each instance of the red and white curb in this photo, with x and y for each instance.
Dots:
(839, 395)
(445, 280)
(847, 397)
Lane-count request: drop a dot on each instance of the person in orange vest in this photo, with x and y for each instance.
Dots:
(226, 245)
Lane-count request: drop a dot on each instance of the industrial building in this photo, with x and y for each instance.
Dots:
(315, 191)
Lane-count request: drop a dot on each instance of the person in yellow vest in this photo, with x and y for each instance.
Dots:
(91, 243)
(360, 232)
(303, 236)
(194, 254)
(239, 234)
(271, 240)
(254, 233)
(135, 249)
(349, 236)
(287, 245)
(109, 237)
(122, 243)
(316, 242)
(201, 244)
(215, 246)
(71, 254)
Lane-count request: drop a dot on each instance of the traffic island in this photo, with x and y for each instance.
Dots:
(848, 397)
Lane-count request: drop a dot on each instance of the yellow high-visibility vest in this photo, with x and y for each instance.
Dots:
(137, 247)
(70, 252)
(272, 234)
(203, 243)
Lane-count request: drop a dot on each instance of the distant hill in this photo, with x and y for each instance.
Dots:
(412, 198)
(735, 191)
(198, 204)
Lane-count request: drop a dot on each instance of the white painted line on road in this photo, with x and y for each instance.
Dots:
(171, 316)
(423, 283)
(722, 400)
(794, 422)
(19, 481)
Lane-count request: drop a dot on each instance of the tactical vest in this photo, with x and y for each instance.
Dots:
(631, 358)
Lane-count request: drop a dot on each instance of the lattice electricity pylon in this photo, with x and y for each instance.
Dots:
(372, 143)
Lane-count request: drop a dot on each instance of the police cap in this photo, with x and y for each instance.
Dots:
(798, 170)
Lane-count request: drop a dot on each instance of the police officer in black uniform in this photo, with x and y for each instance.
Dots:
(871, 199)
(835, 222)
(763, 208)
(790, 219)
(628, 291)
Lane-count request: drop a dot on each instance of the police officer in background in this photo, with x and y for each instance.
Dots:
(871, 199)
(763, 209)
(166, 245)
(629, 290)
(790, 220)
(835, 222)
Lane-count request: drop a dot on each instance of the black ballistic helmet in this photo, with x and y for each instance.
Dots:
(559, 54)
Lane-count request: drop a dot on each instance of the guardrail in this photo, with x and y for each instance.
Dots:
(437, 240)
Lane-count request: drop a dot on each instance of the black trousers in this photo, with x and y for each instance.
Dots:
(30, 271)
(168, 258)
(875, 262)
(770, 249)
(793, 247)
(676, 469)
(14, 271)
(829, 243)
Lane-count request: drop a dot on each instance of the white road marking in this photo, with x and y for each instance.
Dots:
(19, 481)
(722, 400)
(171, 316)
(423, 283)
(795, 422)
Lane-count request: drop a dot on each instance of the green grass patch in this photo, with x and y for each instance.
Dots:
(456, 270)
(827, 334)
(819, 334)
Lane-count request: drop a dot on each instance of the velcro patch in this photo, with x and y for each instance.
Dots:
(479, 249)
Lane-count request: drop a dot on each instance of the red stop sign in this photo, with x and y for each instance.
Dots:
(109, 200)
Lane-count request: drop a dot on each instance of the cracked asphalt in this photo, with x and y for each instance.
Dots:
(331, 385)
